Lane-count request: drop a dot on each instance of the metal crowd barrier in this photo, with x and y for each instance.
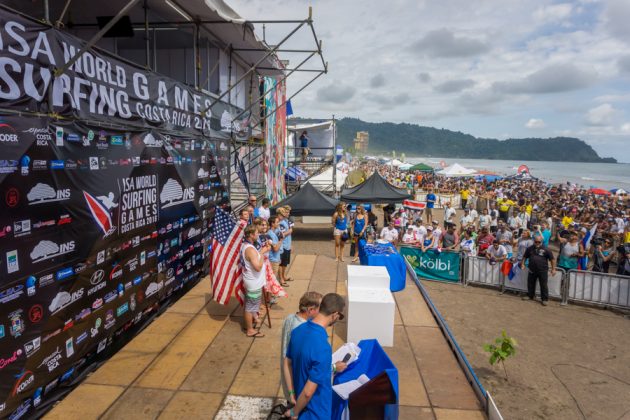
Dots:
(478, 270)
(598, 288)
(441, 199)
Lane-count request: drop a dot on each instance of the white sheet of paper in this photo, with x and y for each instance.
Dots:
(351, 348)
(345, 389)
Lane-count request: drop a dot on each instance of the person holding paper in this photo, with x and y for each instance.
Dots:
(308, 362)
(308, 308)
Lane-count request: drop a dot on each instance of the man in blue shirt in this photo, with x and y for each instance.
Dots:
(430, 205)
(308, 362)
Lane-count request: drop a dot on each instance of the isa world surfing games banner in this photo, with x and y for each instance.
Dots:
(433, 265)
(99, 225)
(276, 135)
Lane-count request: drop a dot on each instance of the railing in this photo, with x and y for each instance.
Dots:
(598, 288)
(602, 289)
(320, 159)
(441, 199)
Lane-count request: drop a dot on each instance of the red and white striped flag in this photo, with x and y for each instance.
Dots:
(225, 267)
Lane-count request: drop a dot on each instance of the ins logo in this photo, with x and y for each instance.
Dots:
(173, 195)
(46, 250)
(44, 193)
(101, 208)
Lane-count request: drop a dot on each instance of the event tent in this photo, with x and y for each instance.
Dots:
(374, 190)
(308, 201)
(422, 167)
(456, 170)
(522, 176)
(404, 167)
(618, 191)
(356, 177)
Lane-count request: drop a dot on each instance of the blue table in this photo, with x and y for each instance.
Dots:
(372, 361)
(387, 256)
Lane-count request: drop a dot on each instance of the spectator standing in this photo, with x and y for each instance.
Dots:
(359, 227)
(496, 253)
(308, 309)
(389, 233)
(308, 361)
(276, 248)
(263, 211)
(286, 228)
(339, 221)
(253, 280)
(539, 258)
(523, 242)
(484, 240)
(430, 205)
(570, 252)
(304, 144)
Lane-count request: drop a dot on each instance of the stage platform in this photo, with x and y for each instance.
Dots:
(195, 362)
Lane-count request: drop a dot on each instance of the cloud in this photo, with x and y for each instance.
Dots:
(552, 13)
(551, 79)
(623, 64)
(377, 81)
(535, 123)
(396, 100)
(617, 16)
(625, 128)
(336, 93)
(443, 43)
(424, 77)
(454, 85)
(601, 115)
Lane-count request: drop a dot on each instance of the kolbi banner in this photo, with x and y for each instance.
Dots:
(433, 265)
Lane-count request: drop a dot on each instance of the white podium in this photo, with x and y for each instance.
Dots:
(371, 306)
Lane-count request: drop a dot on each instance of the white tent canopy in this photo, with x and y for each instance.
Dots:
(456, 170)
(321, 137)
(394, 162)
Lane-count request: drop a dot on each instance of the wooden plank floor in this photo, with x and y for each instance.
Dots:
(194, 361)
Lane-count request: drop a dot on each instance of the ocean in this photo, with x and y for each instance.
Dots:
(598, 175)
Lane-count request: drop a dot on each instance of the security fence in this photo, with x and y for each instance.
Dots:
(598, 288)
(603, 289)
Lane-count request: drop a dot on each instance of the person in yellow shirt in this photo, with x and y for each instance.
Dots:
(504, 207)
(464, 195)
(567, 221)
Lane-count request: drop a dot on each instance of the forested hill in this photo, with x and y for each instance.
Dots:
(413, 140)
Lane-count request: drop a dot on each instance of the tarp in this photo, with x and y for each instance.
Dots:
(356, 177)
(294, 173)
(375, 190)
(422, 167)
(308, 201)
(456, 170)
(321, 137)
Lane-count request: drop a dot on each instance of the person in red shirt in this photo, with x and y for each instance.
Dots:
(484, 240)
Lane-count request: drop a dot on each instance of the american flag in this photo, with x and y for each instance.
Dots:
(225, 268)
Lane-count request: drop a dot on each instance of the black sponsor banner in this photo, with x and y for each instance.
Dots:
(97, 226)
(99, 86)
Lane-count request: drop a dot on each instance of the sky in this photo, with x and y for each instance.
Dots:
(493, 69)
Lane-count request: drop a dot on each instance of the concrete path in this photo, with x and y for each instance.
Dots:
(194, 362)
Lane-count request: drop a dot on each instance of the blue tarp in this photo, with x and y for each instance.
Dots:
(387, 256)
(293, 173)
(372, 361)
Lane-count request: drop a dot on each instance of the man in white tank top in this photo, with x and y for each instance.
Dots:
(253, 279)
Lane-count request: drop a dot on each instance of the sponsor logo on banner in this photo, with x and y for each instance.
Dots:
(13, 263)
(36, 313)
(150, 141)
(100, 257)
(7, 133)
(25, 380)
(110, 320)
(52, 361)
(116, 140)
(64, 273)
(12, 197)
(139, 205)
(32, 346)
(44, 193)
(57, 164)
(81, 337)
(31, 285)
(46, 250)
(69, 347)
(22, 228)
(41, 134)
(4, 362)
(173, 194)
(122, 309)
(11, 293)
(100, 208)
(21, 410)
(64, 299)
(93, 163)
(17, 323)
(8, 166)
